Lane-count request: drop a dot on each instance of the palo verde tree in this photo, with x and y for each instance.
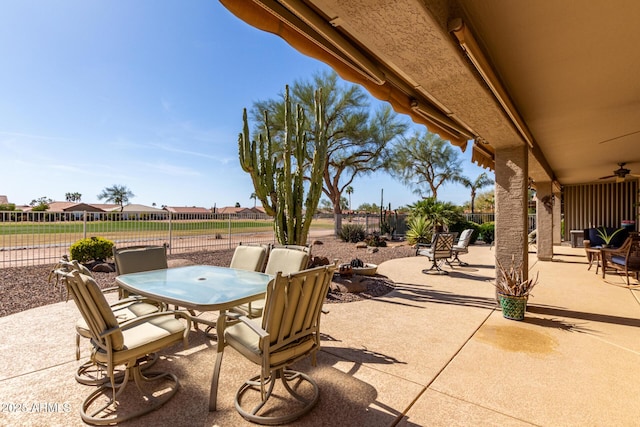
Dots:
(425, 162)
(118, 194)
(40, 204)
(278, 169)
(358, 138)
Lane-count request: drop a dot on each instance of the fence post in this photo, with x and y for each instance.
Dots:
(229, 232)
(170, 232)
(366, 222)
(84, 224)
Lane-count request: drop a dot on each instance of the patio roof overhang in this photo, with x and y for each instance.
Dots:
(559, 77)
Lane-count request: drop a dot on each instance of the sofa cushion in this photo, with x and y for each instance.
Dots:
(616, 242)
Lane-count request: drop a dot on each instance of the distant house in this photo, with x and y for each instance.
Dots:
(187, 210)
(4, 200)
(72, 207)
(232, 210)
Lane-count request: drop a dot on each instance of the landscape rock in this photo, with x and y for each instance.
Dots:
(361, 245)
(103, 267)
(354, 284)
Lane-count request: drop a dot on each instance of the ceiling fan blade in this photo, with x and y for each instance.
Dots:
(607, 177)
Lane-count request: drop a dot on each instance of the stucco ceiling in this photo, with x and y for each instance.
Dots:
(569, 68)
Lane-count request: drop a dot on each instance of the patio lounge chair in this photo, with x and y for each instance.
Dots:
(124, 344)
(285, 260)
(439, 252)
(462, 247)
(625, 259)
(288, 331)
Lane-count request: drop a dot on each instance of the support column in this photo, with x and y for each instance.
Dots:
(557, 219)
(544, 220)
(512, 179)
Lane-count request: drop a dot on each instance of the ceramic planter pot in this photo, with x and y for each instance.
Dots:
(513, 307)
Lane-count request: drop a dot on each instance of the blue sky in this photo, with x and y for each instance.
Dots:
(147, 94)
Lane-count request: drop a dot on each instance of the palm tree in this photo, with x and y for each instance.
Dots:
(118, 194)
(254, 196)
(481, 181)
(349, 190)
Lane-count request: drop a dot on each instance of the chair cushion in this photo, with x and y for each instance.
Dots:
(249, 258)
(256, 308)
(286, 261)
(103, 310)
(122, 314)
(247, 342)
(148, 337)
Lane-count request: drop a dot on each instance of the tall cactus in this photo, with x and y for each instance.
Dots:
(278, 175)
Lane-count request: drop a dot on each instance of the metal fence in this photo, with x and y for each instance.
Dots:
(30, 238)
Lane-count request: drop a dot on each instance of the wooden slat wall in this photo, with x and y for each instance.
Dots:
(599, 205)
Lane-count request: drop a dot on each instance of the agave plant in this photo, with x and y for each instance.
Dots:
(419, 230)
(606, 237)
(510, 281)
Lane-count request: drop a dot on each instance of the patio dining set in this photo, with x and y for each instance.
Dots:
(268, 303)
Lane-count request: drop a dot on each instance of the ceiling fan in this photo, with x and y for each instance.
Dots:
(620, 174)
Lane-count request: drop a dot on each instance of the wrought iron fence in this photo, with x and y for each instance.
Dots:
(30, 238)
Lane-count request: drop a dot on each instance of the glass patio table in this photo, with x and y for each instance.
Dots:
(199, 287)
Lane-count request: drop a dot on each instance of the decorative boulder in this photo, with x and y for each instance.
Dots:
(350, 285)
(318, 261)
(361, 245)
(102, 267)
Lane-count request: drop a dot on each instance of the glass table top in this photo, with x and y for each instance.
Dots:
(201, 287)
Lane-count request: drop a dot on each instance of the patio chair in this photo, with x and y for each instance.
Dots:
(625, 259)
(249, 257)
(288, 331)
(461, 247)
(134, 259)
(126, 309)
(439, 252)
(285, 260)
(124, 344)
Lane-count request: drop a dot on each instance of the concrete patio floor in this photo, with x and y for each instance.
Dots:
(435, 352)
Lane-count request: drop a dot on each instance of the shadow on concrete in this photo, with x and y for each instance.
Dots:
(592, 317)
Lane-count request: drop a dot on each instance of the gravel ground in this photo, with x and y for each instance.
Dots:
(23, 288)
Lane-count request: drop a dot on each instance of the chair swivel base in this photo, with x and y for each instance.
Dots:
(435, 268)
(108, 414)
(458, 261)
(95, 374)
(286, 377)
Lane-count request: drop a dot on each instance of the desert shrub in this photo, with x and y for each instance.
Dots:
(487, 231)
(92, 248)
(375, 240)
(353, 233)
(419, 230)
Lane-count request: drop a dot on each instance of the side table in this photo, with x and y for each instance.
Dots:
(593, 254)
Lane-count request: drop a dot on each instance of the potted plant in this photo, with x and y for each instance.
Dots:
(513, 290)
(606, 237)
